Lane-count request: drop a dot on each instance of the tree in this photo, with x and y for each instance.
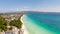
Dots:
(16, 23)
(3, 24)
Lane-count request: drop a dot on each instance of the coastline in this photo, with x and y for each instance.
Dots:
(34, 28)
(23, 27)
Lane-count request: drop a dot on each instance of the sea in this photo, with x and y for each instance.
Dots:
(42, 23)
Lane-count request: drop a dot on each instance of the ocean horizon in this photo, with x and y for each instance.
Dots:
(42, 23)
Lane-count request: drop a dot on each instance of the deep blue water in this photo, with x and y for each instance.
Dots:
(42, 23)
(48, 21)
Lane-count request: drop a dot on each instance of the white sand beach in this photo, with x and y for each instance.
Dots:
(23, 27)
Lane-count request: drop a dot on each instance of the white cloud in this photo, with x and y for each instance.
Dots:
(26, 8)
(51, 9)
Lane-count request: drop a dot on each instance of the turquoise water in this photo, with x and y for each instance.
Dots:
(42, 23)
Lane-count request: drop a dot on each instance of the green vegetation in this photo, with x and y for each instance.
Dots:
(3, 24)
(16, 23)
(10, 28)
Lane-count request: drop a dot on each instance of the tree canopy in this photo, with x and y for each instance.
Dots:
(16, 23)
(3, 24)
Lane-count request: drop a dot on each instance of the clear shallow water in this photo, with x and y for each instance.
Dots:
(42, 23)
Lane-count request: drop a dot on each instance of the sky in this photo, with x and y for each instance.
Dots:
(30, 5)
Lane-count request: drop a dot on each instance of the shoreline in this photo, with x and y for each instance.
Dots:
(23, 27)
